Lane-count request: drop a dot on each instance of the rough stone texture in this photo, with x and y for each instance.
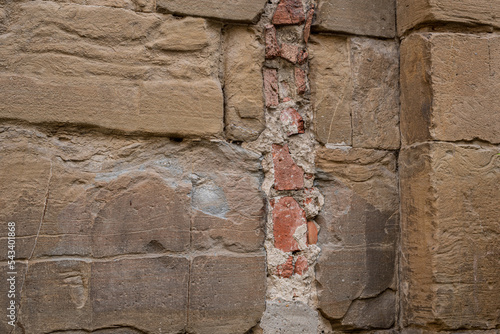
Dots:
(449, 87)
(290, 52)
(111, 68)
(357, 231)
(301, 265)
(281, 316)
(360, 17)
(372, 313)
(292, 121)
(272, 46)
(307, 26)
(451, 236)
(287, 175)
(96, 196)
(271, 87)
(287, 217)
(414, 13)
(355, 78)
(286, 269)
(243, 84)
(235, 10)
(289, 12)
(300, 80)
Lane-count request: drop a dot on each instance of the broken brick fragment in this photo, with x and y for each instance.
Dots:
(307, 27)
(287, 175)
(271, 87)
(272, 47)
(312, 233)
(300, 80)
(292, 121)
(301, 265)
(286, 269)
(290, 52)
(289, 12)
(302, 57)
(287, 216)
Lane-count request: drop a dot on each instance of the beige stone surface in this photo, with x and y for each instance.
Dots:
(359, 17)
(244, 100)
(450, 236)
(116, 221)
(415, 13)
(450, 85)
(111, 68)
(234, 10)
(358, 233)
(355, 93)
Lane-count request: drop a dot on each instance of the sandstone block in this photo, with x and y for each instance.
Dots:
(359, 17)
(355, 92)
(414, 13)
(243, 59)
(281, 315)
(450, 235)
(227, 293)
(372, 313)
(357, 230)
(287, 217)
(236, 10)
(450, 100)
(72, 64)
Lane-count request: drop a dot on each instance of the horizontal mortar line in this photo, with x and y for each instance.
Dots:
(477, 143)
(452, 28)
(191, 255)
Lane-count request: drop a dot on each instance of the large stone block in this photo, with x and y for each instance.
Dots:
(359, 17)
(449, 87)
(235, 10)
(354, 91)
(415, 13)
(227, 293)
(450, 236)
(111, 68)
(243, 58)
(358, 226)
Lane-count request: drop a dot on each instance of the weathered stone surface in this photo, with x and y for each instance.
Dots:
(287, 216)
(243, 56)
(283, 316)
(355, 78)
(271, 87)
(357, 229)
(289, 12)
(292, 121)
(287, 175)
(66, 63)
(450, 235)
(331, 89)
(459, 101)
(360, 17)
(11, 312)
(235, 10)
(94, 196)
(227, 293)
(372, 313)
(413, 13)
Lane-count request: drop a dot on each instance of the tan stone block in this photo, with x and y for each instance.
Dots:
(358, 226)
(355, 78)
(414, 13)
(227, 293)
(360, 17)
(449, 86)
(450, 235)
(243, 58)
(236, 10)
(331, 88)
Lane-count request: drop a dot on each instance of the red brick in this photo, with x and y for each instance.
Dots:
(302, 57)
(301, 265)
(287, 175)
(271, 87)
(286, 269)
(307, 27)
(312, 233)
(290, 52)
(300, 80)
(272, 47)
(287, 216)
(289, 12)
(293, 121)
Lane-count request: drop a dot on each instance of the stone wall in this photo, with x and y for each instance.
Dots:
(251, 166)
